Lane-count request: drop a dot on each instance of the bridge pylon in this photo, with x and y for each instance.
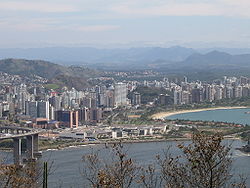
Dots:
(17, 134)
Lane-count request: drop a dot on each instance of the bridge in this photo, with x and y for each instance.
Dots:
(17, 134)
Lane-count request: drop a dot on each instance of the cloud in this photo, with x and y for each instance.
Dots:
(29, 25)
(228, 8)
(139, 19)
(236, 8)
(171, 9)
(241, 3)
(97, 28)
(37, 7)
(50, 24)
(129, 8)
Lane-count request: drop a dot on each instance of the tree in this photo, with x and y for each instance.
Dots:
(16, 176)
(205, 163)
(29, 174)
(119, 172)
(149, 178)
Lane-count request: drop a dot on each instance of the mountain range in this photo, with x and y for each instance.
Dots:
(95, 56)
(173, 61)
(212, 65)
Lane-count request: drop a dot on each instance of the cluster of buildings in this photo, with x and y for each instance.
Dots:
(129, 131)
(182, 92)
(196, 92)
(43, 108)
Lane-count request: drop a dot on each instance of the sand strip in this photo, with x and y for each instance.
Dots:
(163, 115)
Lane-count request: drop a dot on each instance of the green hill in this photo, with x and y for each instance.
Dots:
(73, 76)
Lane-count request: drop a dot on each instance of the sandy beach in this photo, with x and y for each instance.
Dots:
(163, 115)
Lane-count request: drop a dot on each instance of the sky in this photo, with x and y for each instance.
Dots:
(201, 23)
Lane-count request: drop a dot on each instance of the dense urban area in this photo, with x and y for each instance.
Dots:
(115, 107)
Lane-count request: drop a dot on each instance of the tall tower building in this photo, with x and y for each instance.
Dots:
(177, 97)
(197, 95)
(56, 102)
(136, 99)
(1, 110)
(37, 109)
(31, 108)
(185, 97)
(95, 114)
(43, 109)
(120, 94)
(84, 114)
(185, 79)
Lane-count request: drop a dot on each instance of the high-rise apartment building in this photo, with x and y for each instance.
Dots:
(43, 109)
(84, 114)
(37, 109)
(31, 108)
(197, 95)
(136, 98)
(56, 102)
(95, 114)
(164, 99)
(185, 97)
(177, 97)
(1, 110)
(120, 94)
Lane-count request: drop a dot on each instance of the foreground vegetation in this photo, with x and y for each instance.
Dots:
(204, 163)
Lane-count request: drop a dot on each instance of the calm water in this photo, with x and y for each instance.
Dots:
(231, 115)
(67, 163)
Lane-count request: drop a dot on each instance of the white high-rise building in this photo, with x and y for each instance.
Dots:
(1, 110)
(185, 97)
(51, 112)
(238, 91)
(177, 97)
(218, 93)
(121, 92)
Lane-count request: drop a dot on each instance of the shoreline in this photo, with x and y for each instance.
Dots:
(163, 115)
(104, 142)
(115, 142)
(177, 139)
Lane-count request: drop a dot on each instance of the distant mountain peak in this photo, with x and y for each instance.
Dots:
(216, 52)
(93, 56)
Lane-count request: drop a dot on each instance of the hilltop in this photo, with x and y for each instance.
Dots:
(72, 76)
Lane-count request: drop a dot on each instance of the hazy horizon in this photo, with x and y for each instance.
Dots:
(134, 23)
(192, 45)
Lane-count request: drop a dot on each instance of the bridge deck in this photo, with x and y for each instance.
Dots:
(25, 132)
(18, 135)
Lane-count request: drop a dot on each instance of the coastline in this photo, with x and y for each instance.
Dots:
(163, 115)
(104, 142)
(107, 142)
(178, 139)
